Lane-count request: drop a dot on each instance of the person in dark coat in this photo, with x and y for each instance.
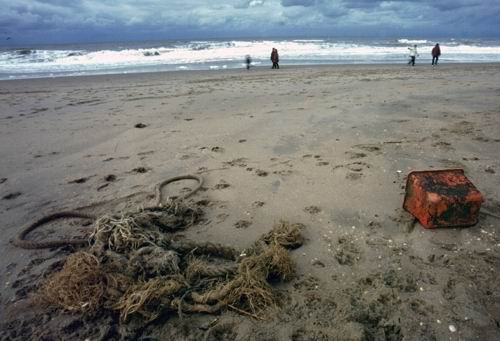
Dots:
(436, 52)
(275, 59)
(248, 61)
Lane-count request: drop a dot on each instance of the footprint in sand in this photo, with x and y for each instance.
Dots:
(217, 149)
(140, 170)
(462, 128)
(187, 156)
(322, 163)
(442, 145)
(102, 187)
(38, 110)
(11, 196)
(372, 148)
(353, 176)
(242, 224)
(356, 169)
(79, 180)
(204, 203)
(222, 185)
(110, 178)
(312, 209)
(355, 155)
(481, 139)
(256, 204)
(284, 172)
(348, 252)
(240, 162)
(2, 180)
(260, 172)
(357, 166)
(221, 217)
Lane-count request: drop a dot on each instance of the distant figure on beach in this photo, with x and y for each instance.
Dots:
(436, 52)
(248, 61)
(275, 59)
(413, 55)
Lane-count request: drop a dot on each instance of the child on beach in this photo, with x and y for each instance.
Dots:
(413, 55)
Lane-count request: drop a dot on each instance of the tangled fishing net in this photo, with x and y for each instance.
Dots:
(137, 265)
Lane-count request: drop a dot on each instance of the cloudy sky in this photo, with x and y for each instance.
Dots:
(45, 21)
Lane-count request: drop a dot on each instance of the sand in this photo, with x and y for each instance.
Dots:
(328, 147)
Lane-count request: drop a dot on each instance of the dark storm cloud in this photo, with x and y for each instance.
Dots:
(63, 20)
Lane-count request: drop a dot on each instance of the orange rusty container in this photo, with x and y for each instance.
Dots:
(442, 198)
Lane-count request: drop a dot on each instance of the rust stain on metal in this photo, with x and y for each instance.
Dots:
(442, 198)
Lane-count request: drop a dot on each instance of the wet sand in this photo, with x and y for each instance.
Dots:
(328, 147)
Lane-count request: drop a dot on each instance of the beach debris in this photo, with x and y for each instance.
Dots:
(140, 125)
(136, 265)
(442, 198)
(79, 286)
(452, 328)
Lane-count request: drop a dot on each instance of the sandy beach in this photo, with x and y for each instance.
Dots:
(327, 146)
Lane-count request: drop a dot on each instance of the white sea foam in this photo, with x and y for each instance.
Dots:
(216, 55)
(410, 41)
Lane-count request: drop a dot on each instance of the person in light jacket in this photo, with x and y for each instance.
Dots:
(413, 55)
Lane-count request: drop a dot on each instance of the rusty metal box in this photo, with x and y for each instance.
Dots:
(442, 198)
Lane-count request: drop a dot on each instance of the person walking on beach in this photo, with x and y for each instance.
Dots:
(436, 52)
(248, 61)
(413, 55)
(275, 59)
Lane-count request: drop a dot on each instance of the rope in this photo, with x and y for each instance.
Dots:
(162, 184)
(21, 242)
(20, 239)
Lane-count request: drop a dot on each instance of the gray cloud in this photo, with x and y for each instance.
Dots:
(83, 20)
(303, 3)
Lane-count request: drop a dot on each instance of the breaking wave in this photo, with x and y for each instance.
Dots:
(218, 54)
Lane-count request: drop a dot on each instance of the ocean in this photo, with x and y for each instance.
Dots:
(120, 58)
